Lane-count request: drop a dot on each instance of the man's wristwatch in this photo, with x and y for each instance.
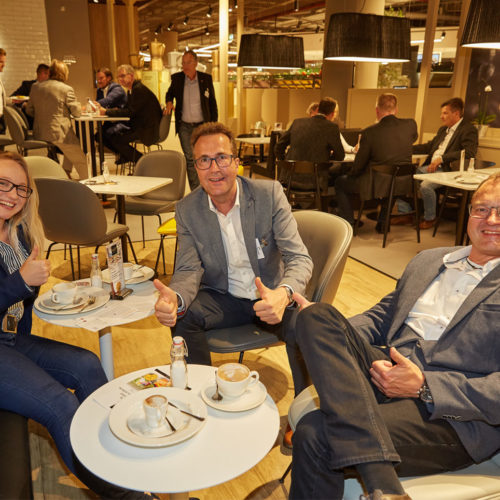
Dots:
(424, 393)
(289, 293)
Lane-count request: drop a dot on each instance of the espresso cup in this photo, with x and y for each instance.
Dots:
(64, 293)
(234, 379)
(128, 270)
(155, 409)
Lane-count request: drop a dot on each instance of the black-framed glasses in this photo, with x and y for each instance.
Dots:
(223, 160)
(482, 211)
(23, 191)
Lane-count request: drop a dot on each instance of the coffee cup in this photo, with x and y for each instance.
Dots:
(233, 379)
(128, 270)
(64, 293)
(155, 409)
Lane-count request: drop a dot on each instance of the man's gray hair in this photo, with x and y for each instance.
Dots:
(128, 69)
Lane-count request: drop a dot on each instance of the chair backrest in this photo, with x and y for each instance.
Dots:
(14, 125)
(164, 127)
(70, 212)
(328, 240)
(395, 170)
(164, 163)
(22, 117)
(41, 166)
(271, 155)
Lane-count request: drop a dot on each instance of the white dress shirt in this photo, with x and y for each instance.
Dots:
(191, 103)
(441, 300)
(444, 143)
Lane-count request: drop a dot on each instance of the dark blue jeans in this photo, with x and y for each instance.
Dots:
(356, 423)
(185, 131)
(211, 309)
(35, 374)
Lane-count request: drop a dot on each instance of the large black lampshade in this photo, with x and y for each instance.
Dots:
(366, 37)
(271, 51)
(482, 28)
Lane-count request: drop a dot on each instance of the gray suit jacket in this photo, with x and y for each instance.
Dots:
(462, 368)
(265, 215)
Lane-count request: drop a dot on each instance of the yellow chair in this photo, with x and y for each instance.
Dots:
(169, 228)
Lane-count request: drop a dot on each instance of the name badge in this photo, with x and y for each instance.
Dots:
(9, 323)
(260, 253)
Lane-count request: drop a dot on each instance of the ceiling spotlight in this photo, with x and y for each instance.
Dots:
(96, 1)
(170, 26)
(186, 20)
(295, 5)
(209, 11)
(235, 4)
(299, 24)
(317, 29)
(207, 31)
(158, 30)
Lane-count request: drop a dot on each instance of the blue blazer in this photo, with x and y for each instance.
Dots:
(115, 98)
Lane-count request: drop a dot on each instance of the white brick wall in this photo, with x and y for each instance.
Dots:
(23, 34)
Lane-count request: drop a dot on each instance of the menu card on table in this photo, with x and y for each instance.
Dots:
(115, 266)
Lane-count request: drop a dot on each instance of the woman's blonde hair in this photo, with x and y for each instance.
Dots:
(58, 70)
(28, 217)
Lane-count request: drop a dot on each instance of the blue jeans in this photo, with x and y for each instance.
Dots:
(35, 374)
(185, 131)
(357, 423)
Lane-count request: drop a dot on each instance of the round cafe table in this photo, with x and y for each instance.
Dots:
(227, 445)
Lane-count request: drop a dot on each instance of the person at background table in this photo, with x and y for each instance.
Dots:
(42, 74)
(36, 373)
(52, 103)
(240, 255)
(455, 134)
(144, 111)
(195, 104)
(109, 93)
(387, 142)
(4, 100)
(414, 382)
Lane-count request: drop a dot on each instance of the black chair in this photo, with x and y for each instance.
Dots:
(269, 168)
(305, 182)
(246, 159)
(384, 186)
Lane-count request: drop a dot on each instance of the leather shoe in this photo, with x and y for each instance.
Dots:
(427, 224)
(379, 495)
(401, 220)
(287, 437)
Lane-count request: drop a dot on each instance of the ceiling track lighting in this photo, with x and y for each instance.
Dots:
(170, 26)
(158, 30)
(186, 20)
(207, 31)
(295, 5)
(209, 11)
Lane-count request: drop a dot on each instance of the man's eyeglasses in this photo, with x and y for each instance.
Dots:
(482, 211)
(23, 191)
(223, 161)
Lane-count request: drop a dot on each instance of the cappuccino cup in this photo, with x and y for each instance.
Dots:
(64, 293)
(233, 379)
(128, 270)
(155, 409)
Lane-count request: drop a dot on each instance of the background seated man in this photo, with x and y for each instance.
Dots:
(388, 142)
(109, 94)
(240, 254)
(415, 380)
(455, 135)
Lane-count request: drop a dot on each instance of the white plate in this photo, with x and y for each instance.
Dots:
(126, 414)
(251, 398)
(42, 304)
(48, 303)
(143, 273)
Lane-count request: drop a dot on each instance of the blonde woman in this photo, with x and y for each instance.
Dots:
(52, 103)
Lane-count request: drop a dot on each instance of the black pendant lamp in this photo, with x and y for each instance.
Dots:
(271, 51)
(482, 28)
(352, 36)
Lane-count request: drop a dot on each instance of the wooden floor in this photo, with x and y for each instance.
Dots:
(147, 343)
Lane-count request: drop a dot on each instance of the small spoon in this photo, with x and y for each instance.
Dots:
(217, 396)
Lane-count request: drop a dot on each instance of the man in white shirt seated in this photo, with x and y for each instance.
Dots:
(240, 255)
(455, 135)
(412, 386)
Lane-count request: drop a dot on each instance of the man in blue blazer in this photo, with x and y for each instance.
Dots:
(109, 93)
(240, 255)
(195, 104)
(415, 380)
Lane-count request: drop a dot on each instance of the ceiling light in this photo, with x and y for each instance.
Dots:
(235, 4)
(367, 37)
(209, 11)
(207, 31)
(299, 24)
(186, 20)
(170, 26)
(317, 29)
(158, 30)
(295, 5)
(482, 27)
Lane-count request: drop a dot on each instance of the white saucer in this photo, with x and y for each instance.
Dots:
(470, 178)
(140, 274)
(79, 300)
(251, 398)
(42, 304)
(128, 411)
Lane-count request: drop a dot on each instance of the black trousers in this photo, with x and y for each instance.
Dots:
(356, 422)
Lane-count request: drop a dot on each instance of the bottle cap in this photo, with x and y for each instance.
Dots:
(178, 341)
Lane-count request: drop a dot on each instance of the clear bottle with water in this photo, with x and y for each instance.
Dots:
(91, 107)
(95, 272)
(178, 368)
(105, 172)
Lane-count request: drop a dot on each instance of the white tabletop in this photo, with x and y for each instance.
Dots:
(138, 305)
(254, 140)
(84, 117)
(128, 185)
(228, 445)
(450, 178)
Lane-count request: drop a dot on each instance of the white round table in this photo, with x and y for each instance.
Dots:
(227, 445)
(138, 305)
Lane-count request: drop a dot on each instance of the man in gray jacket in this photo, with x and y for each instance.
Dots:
(240, 255)
(415, 380)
